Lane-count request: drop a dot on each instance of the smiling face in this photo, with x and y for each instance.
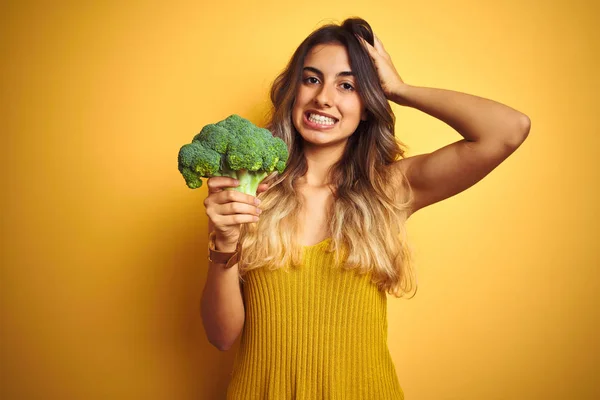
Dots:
(327, 107)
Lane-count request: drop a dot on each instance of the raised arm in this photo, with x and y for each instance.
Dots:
(492, 131)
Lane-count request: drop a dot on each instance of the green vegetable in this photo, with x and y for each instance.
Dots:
(233, 147)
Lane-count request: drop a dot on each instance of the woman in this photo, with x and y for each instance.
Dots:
(326, 241)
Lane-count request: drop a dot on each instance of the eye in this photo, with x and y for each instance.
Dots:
(347, 86)
(311, 79)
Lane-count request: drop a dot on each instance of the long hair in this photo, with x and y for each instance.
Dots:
(367, 218)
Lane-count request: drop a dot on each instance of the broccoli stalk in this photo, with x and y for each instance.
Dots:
(249, 180)
(233, 147)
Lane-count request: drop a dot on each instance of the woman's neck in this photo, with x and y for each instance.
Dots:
(319, 160)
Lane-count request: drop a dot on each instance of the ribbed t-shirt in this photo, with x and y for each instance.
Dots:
(313, 332)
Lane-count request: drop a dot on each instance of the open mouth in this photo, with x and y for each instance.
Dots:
(320, 121)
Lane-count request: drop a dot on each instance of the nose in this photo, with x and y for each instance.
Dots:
(325, 96)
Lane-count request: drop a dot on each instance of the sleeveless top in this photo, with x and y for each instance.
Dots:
(314, 332)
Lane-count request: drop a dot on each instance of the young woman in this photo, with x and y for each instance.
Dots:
(325, 243)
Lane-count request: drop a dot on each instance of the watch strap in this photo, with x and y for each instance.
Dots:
(220, 257)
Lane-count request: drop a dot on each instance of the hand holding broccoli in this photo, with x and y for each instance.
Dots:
(227, 210)
(230, 150)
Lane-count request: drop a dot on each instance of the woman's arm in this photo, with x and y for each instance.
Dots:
(222, 306)
(223, 312)
(491, 131)
(475, 118)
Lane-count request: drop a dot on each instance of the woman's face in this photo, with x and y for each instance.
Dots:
(327, 108)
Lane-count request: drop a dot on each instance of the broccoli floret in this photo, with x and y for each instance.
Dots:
(195, 161)
(233, 123)
(281, 152)
(233, 147)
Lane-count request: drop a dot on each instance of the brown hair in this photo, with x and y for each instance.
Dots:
(367, 219)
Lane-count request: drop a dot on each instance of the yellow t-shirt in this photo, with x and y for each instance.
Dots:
(316, 332)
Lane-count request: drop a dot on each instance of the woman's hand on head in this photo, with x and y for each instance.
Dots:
(388, 76)
(228, 209)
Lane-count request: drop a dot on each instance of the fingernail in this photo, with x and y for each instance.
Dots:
(236, 182)
(258, 210)
(256, 201)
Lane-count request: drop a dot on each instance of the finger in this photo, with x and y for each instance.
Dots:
(229, 196)
(218, 183)
(221, 220)
(366, 44)
(379, 45)
(370, 49)
(237, 208)
(238, 219)
(262, 187)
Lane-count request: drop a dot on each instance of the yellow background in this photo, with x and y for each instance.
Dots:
(104, 247)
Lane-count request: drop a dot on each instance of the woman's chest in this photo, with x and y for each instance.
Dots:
(314, 216)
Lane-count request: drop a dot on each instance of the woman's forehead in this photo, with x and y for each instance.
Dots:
(330, 56)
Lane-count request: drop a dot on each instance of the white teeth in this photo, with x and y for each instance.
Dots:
(319, 119)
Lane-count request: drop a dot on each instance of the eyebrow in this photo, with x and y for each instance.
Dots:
(316, 71)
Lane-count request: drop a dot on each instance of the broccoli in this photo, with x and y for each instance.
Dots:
(233, 147)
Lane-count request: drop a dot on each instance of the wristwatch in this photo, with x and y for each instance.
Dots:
(219, 257)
